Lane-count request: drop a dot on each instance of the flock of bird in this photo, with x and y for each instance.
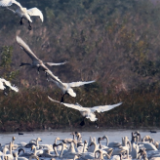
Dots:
(76, 148)
(71, 148)
(67, 88)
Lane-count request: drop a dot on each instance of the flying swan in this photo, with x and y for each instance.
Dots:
(22, 12)
(67, 87)
(4, 84)
(36, 62)
(88, 112)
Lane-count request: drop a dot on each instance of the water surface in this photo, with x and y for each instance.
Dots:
(49, 136)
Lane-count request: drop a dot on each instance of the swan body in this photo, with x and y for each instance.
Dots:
(148, 146)
(88, 112)
(21, 11)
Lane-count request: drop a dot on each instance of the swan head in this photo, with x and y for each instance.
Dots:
(13, 138)
(71, 92)
(58, 139)
(92, 143)
(85, 142)
(39, 139)
(33, 147)
(23, 64)
(99, 139)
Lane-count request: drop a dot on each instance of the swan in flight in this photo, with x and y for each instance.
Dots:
(4, 84)
(36, 62)
(22, 12)
(67, 87)
(87, 112)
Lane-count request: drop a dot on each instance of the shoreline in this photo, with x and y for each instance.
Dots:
(86, 129)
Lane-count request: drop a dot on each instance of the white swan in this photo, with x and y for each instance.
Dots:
(36, 62)
(70, 153)
(4, 84)
(22, 12)
(33, 142)
(88, 112)
(149, 146)
(104, 147)
(67, 87)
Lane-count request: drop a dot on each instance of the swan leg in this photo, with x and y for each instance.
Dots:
(21, 21)
(62, 98)
(97, 126)
(5, 93)
(83, 122)
(38, 69)
(29, 27)
(47, 76)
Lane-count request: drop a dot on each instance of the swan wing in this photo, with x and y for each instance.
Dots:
(80, 83)
(105, 107)
(73, 106)
(26, 48)
(35, 12)
(2, 87)
(53, 76)
(55, 64)
(7, 3)
(7, 83)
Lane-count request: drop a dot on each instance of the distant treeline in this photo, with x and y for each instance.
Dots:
(115, 42)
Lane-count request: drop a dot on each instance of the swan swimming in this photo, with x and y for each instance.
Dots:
(87, 112)
(67, 87)
(22, 12)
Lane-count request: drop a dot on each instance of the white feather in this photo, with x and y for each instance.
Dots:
(35, 12)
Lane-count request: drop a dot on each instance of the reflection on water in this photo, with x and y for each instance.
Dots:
(49, 136)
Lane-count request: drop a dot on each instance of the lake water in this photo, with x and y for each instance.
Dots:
(49, 136)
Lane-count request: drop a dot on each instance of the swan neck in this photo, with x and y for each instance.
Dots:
(37, 143)
(107, 140)
(61, 155)
(55, 150)
(84, 147)
(10, 148)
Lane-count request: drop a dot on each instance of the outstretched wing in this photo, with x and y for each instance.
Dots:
(35, 12)
(105, 107)
(80, 83)
(7, 3)
(55, 64)
(26, 48)
(73, 106)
